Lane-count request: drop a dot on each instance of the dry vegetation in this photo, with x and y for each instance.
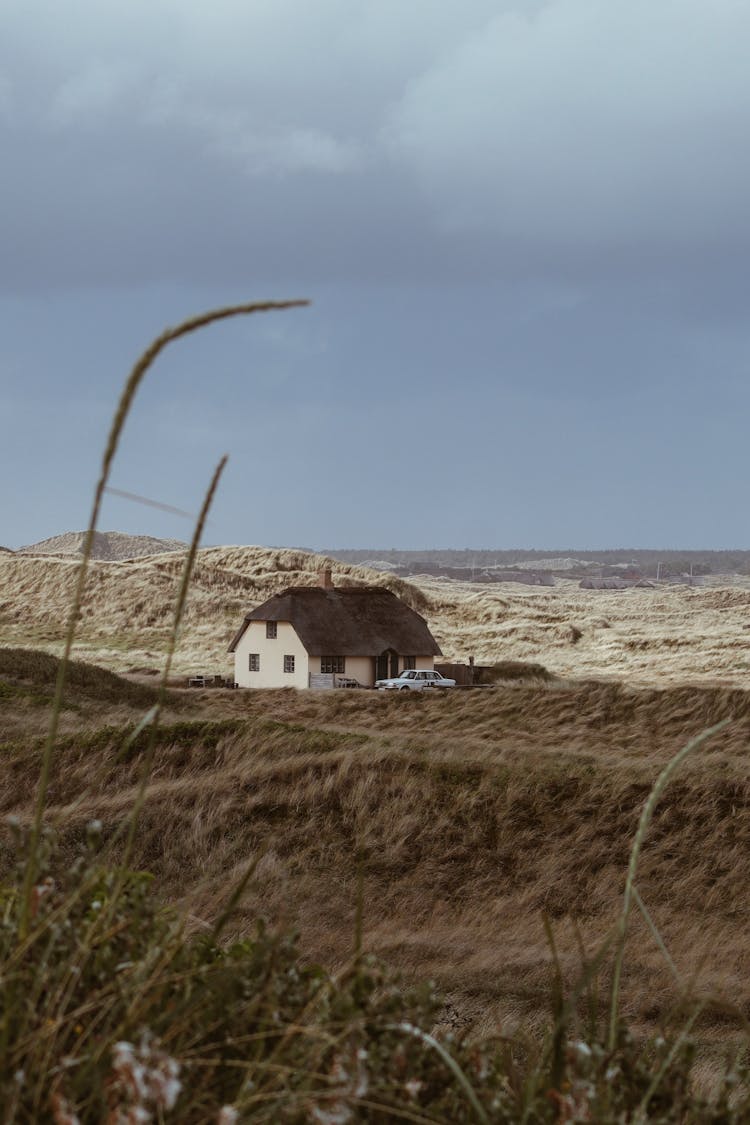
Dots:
(111, 545)
(441, 832)
(667, 635)
(474, 815)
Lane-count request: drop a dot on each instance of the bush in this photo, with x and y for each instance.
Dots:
(515, 670)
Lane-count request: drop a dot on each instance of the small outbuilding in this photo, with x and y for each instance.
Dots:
(323, 636)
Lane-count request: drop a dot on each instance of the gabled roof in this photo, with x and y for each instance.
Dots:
(347, 621)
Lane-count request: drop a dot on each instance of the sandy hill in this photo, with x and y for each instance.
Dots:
(665, 635)
(128, 608)
(109, 545)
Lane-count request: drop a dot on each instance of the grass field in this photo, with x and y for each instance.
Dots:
(446, 834)
(476, 814)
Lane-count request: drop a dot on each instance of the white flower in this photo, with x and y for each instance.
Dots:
(147, 1075)
(228, 1115)
(165, 1085)
(412, 1087)
(582, 1049)
(337, 1113)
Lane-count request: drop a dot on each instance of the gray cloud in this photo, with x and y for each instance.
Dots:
(589, 123)
(524, 225)
(372, 139)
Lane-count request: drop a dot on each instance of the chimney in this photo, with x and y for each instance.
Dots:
(324, 577)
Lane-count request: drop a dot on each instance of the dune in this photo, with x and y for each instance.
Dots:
(660, 636)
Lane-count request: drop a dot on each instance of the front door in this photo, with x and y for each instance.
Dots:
(386, 664)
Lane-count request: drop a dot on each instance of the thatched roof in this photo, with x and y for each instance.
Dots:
(347, 621)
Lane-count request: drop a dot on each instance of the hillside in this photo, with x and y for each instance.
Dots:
(474, 815)
(665, 635)
(109, 545)
(128, 609)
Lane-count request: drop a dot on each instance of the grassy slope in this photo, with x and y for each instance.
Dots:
(128, 608)
(475, 814)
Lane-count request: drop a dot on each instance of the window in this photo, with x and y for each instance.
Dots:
(333, 664)
(271, 629)
(253, 663)
(288, 663)
(410, 662)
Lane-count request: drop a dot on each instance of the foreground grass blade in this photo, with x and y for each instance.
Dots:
(641, 1113)
(132, 384)
(450, 1062)
(646, 816)
(656, 936)
(187, 574)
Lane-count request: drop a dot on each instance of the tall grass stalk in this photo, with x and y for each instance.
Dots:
(133, 382)
(646, 816)
(187, 573)
(434, 1044)
(656, 936)
(640, 1116)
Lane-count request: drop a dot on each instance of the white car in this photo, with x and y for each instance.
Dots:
(415, 679)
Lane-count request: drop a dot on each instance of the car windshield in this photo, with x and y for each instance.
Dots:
(406, 676)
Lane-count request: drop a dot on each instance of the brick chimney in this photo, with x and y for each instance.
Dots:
(324, 577)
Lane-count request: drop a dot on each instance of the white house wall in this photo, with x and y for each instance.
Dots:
(286, 643)
(360, 667)
(271, 652)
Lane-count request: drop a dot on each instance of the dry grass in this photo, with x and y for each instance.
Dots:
(668, 635)
(128, 606)
(476, 814)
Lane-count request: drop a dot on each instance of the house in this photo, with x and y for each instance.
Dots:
(310, 636)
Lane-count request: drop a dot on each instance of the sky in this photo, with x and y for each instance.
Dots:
(523, 226)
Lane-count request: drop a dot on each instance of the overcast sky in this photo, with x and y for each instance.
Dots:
(524, 228)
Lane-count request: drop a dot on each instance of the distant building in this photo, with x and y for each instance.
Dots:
(319, 636)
